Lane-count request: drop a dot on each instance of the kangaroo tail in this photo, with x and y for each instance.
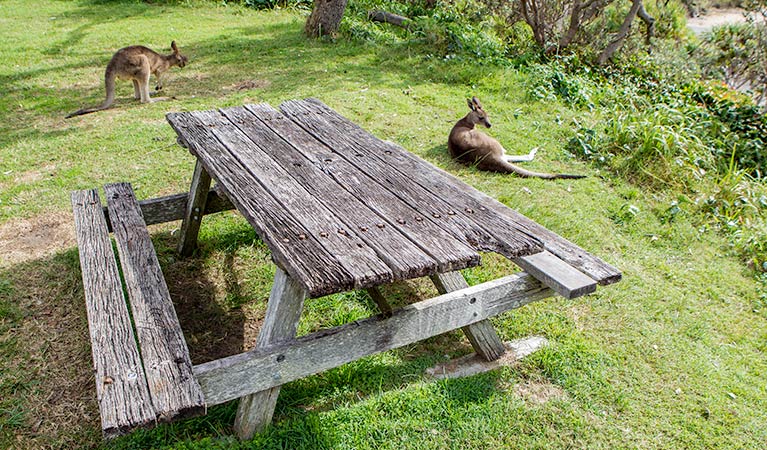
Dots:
(109, 81)
(505, 167)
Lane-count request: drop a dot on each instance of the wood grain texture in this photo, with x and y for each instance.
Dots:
(447, 207)
(481, 335)
(298, 201)
(283, 311)
(172, 207)
(443, 183)
(194, 210)
(254, 371)
(410, 250)
(557, 274)
(168, 367)
(121, 387)
(293, 247)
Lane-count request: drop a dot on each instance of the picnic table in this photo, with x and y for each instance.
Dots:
(339, 210)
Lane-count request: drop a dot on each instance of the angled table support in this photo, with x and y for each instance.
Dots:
(195, 209)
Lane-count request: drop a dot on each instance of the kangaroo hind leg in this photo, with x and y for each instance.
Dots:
(521, 158)
(136, 90)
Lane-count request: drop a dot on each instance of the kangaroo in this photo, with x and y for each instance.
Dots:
(136, 63)
(471, 146)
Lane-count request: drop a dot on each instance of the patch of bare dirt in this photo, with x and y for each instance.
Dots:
(23, 240)
(250, 84)
(714, 18)
(538, 393)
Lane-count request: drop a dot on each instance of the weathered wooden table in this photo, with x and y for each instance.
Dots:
(341, 209)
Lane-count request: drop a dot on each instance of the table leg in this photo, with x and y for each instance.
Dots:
(195, 208)
(282, 315)
(482, 334)
(380, 301)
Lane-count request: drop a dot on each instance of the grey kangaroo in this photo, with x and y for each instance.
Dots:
(136, 63)
(471, 146)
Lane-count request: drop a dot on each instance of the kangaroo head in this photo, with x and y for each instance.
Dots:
(477, 114)
(177, 59)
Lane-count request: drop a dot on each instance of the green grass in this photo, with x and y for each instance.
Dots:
(671, 357)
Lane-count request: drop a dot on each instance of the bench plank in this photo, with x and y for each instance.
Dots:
(412, 247)
(173, 207)
(443, 183)
(262, 368)
(175, 392)
(121, 387)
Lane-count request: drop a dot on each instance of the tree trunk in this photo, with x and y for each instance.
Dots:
(325, 17)
(617, 41)
(650, 23)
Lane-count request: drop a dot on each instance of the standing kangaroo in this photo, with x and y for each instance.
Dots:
(136, 63)
(471, 146)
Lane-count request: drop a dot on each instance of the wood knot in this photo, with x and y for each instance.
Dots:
(302, 237)
(401, 221)
(380, 225)
(363, 229)
(419, 219)
(469, 210)
(323, 234)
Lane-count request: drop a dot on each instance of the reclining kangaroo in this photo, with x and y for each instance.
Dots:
(136, 63)
(471, 146)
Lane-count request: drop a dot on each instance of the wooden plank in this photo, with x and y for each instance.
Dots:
(172, 207)
(339, 239)
(167, 364)
(254, 371)
(440, 181)
(318, 271)
(121, 387)
(195, 208)
(283, 311)
(394, 214)
(481, 335)
(466, 220)
(557, 274)
(352, 197)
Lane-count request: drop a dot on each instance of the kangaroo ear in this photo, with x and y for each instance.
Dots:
(471, 104)
(173, 46)
(475, 100)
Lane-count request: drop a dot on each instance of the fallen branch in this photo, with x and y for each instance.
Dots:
(387, 17)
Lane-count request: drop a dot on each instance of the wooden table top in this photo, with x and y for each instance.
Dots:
(341, 209)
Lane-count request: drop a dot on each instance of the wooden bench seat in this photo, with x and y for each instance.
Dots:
(135, 388)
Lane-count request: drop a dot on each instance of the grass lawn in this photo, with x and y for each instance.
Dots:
(671, 357)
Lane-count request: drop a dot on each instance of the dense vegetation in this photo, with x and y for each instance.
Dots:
(672, 357)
